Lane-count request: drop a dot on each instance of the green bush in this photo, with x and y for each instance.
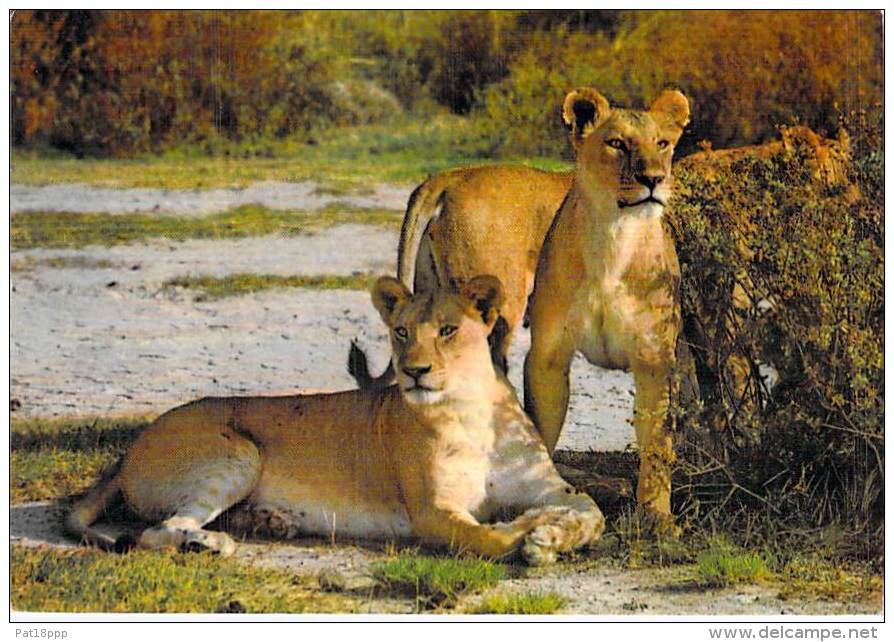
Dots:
(434, 581)
(118, 82)
(520, 604)
(808, 256)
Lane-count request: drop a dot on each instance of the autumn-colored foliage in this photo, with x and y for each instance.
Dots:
(745, 72)
(113, 82)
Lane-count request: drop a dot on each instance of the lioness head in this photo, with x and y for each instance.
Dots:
(439, 338)
(625, 154)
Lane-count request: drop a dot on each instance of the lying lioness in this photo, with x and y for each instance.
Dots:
(434, 457)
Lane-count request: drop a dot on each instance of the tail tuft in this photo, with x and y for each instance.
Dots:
(358, 367)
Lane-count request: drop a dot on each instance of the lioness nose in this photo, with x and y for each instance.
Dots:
(649, 180)
(416, 371)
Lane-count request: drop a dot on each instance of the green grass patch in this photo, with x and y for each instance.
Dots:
(817, 578)
(520, 604)
(436, 581)
(74, 230)
(54, 458)
(724, 565)
(636, 540)
(245, 283)
(154, 582)
(30, 263)
(348, 159)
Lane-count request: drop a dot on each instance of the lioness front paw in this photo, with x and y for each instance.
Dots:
(541, 545)
(216, 542)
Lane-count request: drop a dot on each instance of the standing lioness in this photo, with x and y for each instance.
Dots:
(434, 457)
(608, 278)
(481, 220)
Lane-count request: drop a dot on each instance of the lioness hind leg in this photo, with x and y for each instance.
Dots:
(196, 498)
(547, 366)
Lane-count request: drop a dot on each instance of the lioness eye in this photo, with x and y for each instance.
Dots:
(616, 143)
(663, 144)
(401, 333)
(447, 330)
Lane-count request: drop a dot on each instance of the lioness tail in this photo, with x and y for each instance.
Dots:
(359, 369)
(421, 209)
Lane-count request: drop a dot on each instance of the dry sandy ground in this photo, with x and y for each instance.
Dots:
(109, 341)
(75, 197)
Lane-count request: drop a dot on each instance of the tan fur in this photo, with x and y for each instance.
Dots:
(608, 278)
(480, 220)
(493, 219)
(435, 457)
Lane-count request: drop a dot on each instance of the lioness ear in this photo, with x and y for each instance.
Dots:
(387, 294)
(673, 105)
(486, 294)
(583, 109)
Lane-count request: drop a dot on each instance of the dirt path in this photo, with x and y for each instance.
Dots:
(77, 197)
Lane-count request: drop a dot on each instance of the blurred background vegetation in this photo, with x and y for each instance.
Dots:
(118, 83)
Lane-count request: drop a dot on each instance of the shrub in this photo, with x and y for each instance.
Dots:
(520, 604)
(113, 82)
(470, 55)
(118, 82)
(808, 259)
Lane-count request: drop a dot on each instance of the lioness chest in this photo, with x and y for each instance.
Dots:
(482, 455)
(628, 291)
